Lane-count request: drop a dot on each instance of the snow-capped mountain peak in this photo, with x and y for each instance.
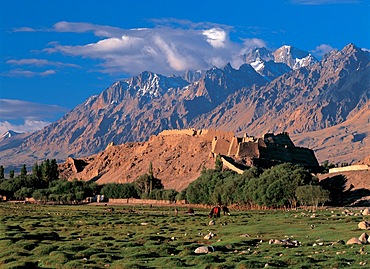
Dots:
(293, 57)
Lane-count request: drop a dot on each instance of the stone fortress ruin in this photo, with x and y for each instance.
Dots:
(239, 153)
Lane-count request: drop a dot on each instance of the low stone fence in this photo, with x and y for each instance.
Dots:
(145, 201)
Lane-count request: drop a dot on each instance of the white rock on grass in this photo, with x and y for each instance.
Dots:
(364, 238)
(366, 212)
(353, 241)
(364, 225)
(209, 236)
(204, 250)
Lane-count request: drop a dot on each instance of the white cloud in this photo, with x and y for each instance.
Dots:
(26, 126)
(82, 27)
(40, 62)
(216, 37)
(166, 49)
(21, 116)
(170, 47)
(11, 109)
(28, 73)
(321, 50)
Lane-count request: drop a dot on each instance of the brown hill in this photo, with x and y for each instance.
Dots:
(178, 157)
(177, 160)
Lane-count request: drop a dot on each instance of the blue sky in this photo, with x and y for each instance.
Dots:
(55, 54)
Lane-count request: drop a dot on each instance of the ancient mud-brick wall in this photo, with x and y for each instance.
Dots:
(282, 139)
(210, 134)
(231, 165)
(357, 167)
(281, 153)
(234, 146)
(220, 146)
(190, 132)
(248, 149)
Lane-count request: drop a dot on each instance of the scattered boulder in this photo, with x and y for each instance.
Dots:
(366, 212)
(364, 238)
(245, 235)
(341, 242)
(204, 250)
(364, 225)
(353, 241)
(285, 242)
(209, 236)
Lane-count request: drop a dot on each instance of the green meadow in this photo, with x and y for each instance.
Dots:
(87, 236)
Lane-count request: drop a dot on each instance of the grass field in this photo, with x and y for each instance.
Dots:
(37, 236)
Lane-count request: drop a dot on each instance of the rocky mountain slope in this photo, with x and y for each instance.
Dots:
(328, 93)
(311, 98)
(132, 110)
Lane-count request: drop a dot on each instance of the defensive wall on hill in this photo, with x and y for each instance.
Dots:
(357, 167)
(269, 150)
(208, 134)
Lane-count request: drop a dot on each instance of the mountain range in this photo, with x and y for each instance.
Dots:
(323, 104)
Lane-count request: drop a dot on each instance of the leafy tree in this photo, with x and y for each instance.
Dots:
(116, 190)
(54, 172)
(169, 195)
(11, 174)
(208, 188)
(45, 171)
(70, 191)
(23, 193)
(181, 195)
(146, 183)
(36, 171)
(41, 195)
(326, 165)
(277, 185)
(23, 170)
(2, 172)
(312, 195)
(218, 163)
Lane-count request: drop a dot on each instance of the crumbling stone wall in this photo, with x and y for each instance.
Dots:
(357, 167)
(189, 131)
(220, 146)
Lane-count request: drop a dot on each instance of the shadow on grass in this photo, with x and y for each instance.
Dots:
(340, 195)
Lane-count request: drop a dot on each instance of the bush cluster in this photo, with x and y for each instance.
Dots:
(275, 187)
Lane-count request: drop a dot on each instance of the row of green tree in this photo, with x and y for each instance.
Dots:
(43, 184)
(146, 186)
(284, 185)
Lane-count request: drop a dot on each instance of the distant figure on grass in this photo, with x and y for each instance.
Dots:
(215, 212)
(176, 211)
(225, 210)
(190, 211)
